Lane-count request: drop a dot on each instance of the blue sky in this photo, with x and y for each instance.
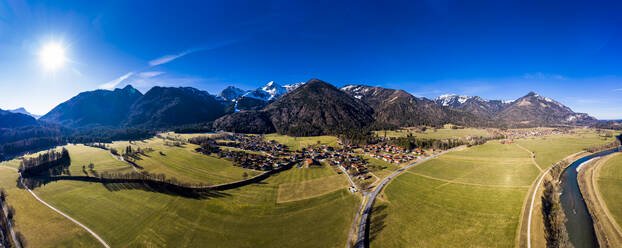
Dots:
(566, 50)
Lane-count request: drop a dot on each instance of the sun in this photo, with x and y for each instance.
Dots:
(52, 56)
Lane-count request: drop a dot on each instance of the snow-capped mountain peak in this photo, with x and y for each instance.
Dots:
(230, 93)
(272, 91)
(291, 87)
(452, 99)
(357, 91)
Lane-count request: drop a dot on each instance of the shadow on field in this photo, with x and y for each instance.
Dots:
(118, 185)
(195, 194)
(377, 222)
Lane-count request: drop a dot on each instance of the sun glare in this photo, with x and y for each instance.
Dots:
(52, 56)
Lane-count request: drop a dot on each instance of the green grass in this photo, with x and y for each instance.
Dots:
(295, 143)
(384, 168)
(243, 217)
(102, 159)
(296, 175)
(470, 198)
(609, 182)
(304, 183)
(311, 188)
(441, 133)
(551, 149)
(186, 165)
(41, 226)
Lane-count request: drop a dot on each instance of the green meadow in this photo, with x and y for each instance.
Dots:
(609, 182)
(472, 197)
(553, 148)
(184, 163)
(41, 226)
(316, 209)
(381, 168)
(243, 217)
(431, 133)
(304, 183)
(295, 143)
(469, 198)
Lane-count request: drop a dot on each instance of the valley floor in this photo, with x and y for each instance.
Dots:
(470, 197)
(475, 197)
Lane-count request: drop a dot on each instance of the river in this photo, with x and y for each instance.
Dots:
(579, 225)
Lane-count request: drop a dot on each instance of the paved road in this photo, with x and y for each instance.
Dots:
(122, 159)
(349, 178)
(361, 240)
(533, 199)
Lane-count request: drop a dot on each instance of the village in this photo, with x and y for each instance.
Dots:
(255, 153)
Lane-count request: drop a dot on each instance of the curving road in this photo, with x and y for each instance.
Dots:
(533, 199)
(363, 217)
(65, 215)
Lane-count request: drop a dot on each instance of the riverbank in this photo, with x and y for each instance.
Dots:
(607, 231)
(537, 234)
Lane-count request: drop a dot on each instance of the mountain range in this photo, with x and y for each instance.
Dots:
(399, 108)
(291, 108)
(314, 108)
(303, 109)
(10, 119)
(159, 107)
(24, 111)
(308, 108)
(529, 110)
(258, 98)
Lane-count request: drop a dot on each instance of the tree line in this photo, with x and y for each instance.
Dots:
(46, 162)
(411, 142)
(599, 148)
(5, 220)
(15, 141)
(554, 217)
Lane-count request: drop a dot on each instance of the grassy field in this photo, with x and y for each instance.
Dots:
(470, 198)
(311, 188)
(184, 164)
(315, 209)
(295, 143)
(243, 217)
(41, 226)
(431, 133)
(550, 149)
(385, 168)
(104, 161)
(609, 182)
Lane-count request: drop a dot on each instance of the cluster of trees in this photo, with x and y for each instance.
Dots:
(103, 134)
(412, 142)
(553, 214)
(15, 141)
(5, 236)
(5, 220)
(613, 125)
(97, 145)
(195, 128)
(132, 153)
(153, 177)
(599, 148)
(208, 145)
(51, 161)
